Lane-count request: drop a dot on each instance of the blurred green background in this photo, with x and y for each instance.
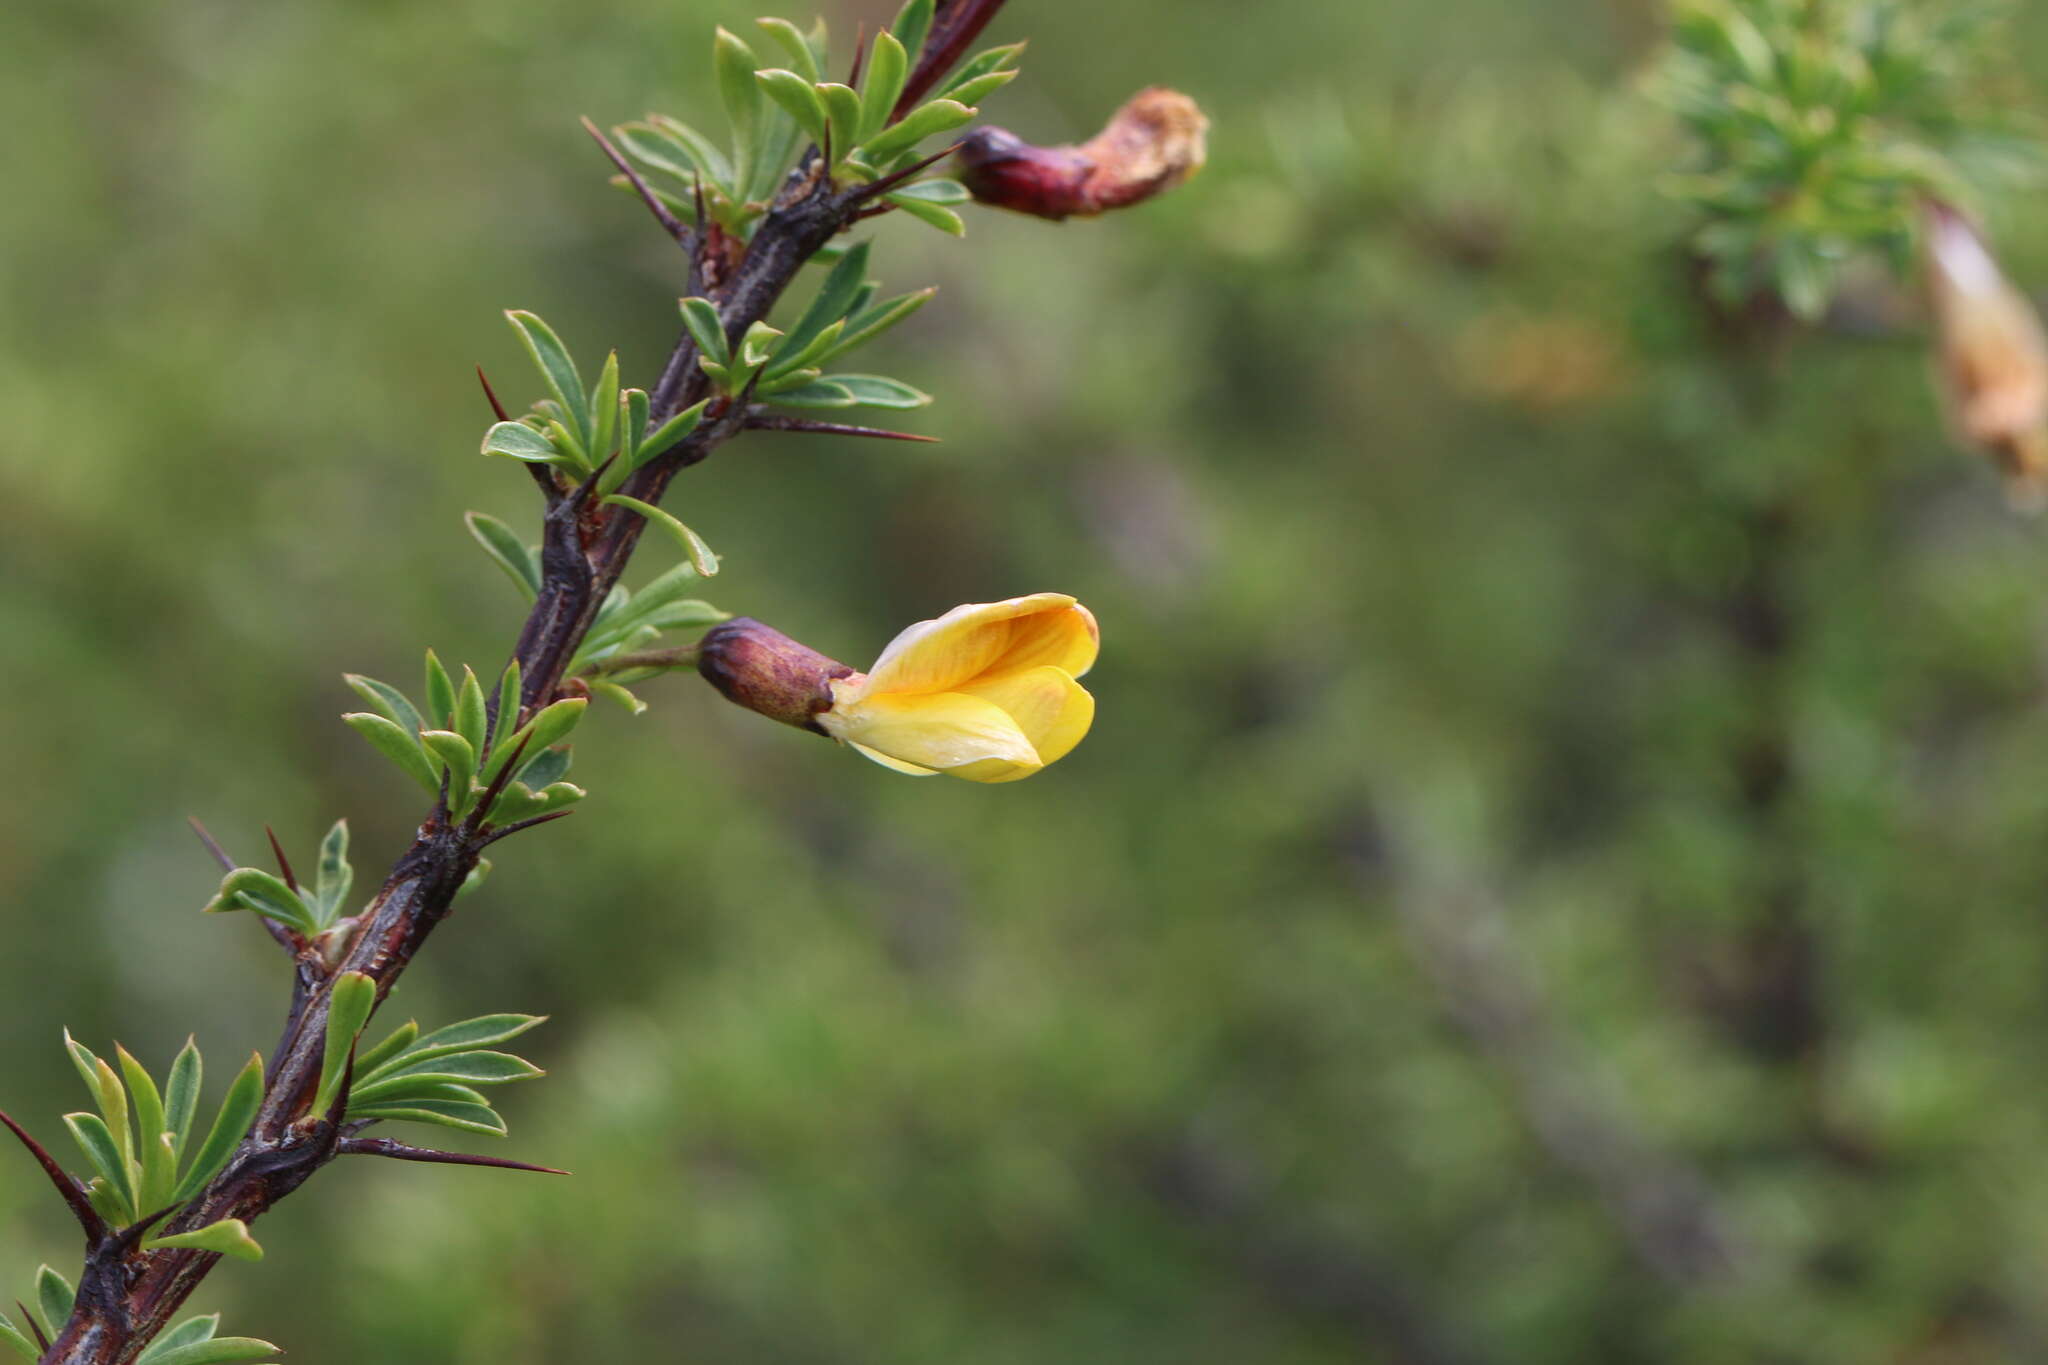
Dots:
(1557, 875)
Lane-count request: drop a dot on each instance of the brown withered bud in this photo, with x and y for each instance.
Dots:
(764, 670)
(1991, 355)
(1157, 140)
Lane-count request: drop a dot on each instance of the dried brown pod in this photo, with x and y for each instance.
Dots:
(1991, 357)
(1157, 140)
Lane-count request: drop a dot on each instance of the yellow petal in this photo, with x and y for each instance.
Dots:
(938, 655)
(1065, 637)
(941, 730)
(1052, 710)
(894, 764)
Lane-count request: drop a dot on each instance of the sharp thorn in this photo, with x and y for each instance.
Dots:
(492, 395)
(497, 785)
(399, 1151)
(860, 52)
(765, 421)
(669, 222)
(118, 1245)
(284, 864)
(96, 1229)
(212, 845)
(33, 1326)
(507, 831)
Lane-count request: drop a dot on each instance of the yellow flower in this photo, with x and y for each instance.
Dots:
(985, 692)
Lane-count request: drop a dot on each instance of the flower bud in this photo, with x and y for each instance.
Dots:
(1991, 357)
(1154, 142)
(764, 670)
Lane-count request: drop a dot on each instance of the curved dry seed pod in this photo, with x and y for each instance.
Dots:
(1157, 140)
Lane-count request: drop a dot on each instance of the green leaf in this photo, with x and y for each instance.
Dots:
(833, 300)
(10, 1335)
(229, 1237)
(251, 888)
(113, 1106)
(91, 1134)
(484, 1031)
(842, 115)
(508, 551)
(396, 1042)
(734, 63)
(471, 1118)
(611, 691)
(469, 709)
(978, 89)
(458, 755)
(331, 882)
(461, 1068)
(604, 409)
(979, 66)
(940, 217)
(393, 703)
(881, 84)
(219, 1351)
(798, 98)
(54, 1297)
(758, 345)
(440, 693)
(237, 1112)
(865, 326)
(507, 719)
(521, 442)
(549, 726)
(801, 54)
(396, 745)
(818, 394)
(701, 557)
(701, 320)
(192, 1329)
(157, 1159)
(348, 1008)
(880, 391)
(913, 22)
(87, 1065)
(552, 359)
(551, 766)
(670, 432)
(937, 116)
(181, 1096)
(710, 161)
(936, 191)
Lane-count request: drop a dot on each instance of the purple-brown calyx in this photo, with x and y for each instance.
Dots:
(760, 668)
(1157, 140)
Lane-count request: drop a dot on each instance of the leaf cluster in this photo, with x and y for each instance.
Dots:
(1818, 124)
(191, 1342)
(434, 1079)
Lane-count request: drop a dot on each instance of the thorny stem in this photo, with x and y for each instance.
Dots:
(127, 1296)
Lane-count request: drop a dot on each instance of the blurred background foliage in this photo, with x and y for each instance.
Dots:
(1556, 876)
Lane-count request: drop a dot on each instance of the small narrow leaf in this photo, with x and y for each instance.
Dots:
(758, 345)
(54, 1297)
(795, 361)
(735, 63)
(865, 326)
(507, 719)
(552, 359)
(710, 161)
(604, 408)
(940, 217)
(11, 1336)
(786, 36)
(348, 1009)
(701, 557)
(913, 22)
(668, 433)
(798, 97)
(334, 878)
(980, 88)
(237, 1112)
(980, 65)
(181, 1095)
(611, 691)
(818, 394)
(157, 1175)
(114, 1107)
(388, 700)
(701, 320)
(879, 391)
(459, 757)
(469, 709)
(399, 1040)
(219, 1351)
(551, 766)
(87, 1065)
(549, 725)
(842, 115)
(938, 116)
(887, 67)
(935, 191)
(486, 1030)
(521, 442)
(833, 299)
(398, 746)
(90, 1132)
(510, 553)
(251, 888)
(471, 1118)
(440, 693)
(229, 1237)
